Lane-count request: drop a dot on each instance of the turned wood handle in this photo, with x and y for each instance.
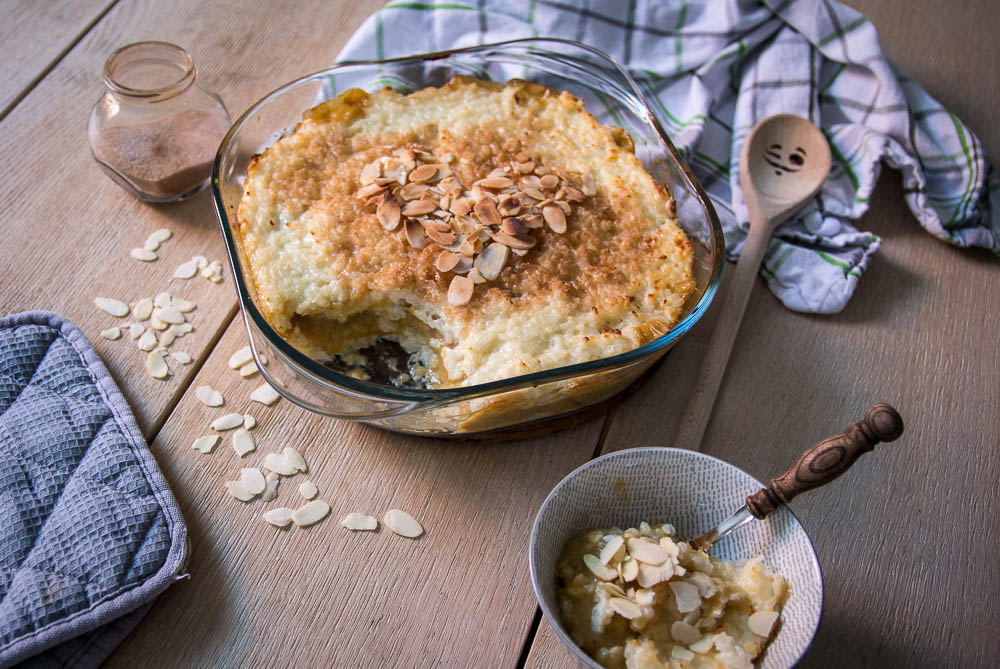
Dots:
(828, 459)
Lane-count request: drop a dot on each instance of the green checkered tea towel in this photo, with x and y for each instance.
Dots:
(713, 68)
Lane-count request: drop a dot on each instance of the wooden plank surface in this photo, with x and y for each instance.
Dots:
(34, 35)
(907, 539)
(323, 597)
(70, 228)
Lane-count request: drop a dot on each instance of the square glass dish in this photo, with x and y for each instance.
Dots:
(612, 96)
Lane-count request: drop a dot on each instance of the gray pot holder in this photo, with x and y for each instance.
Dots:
(89, 532)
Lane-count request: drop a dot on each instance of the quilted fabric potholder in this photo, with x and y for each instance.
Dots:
(89, 532)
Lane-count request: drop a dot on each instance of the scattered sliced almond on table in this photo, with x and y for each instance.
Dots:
(295, 459)
(253, 480)
(308, 489)
(280, 517)
(279, 465)
(112, 333)
(239, 490)
(310, 513)
(227, 422)
(265, 394)
(111, 306)
(143, 254)
(206, 444)
(271, 491)
(240, 358)
(243, 442)
(402, 524)
(209, 396)
(156, 365)
(358, 522)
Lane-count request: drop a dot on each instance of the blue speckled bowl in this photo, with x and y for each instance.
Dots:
(693, 492)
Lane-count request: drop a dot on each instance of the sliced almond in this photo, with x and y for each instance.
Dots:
(135, 331)
(280, 517)
(611, 548)
(495, 183)
(238, 489)
(243, 442)
(412, 191)
(644, 550)
(170, 315)
(572, 194)
(253, 480)
(486, 211)
(358, 522)
(533, 193)
(205, 444)
(525, 167)
(143, 309)
(111, 306)
(512, 226)
(112, 333)
(461, 207)
(265, 394)
(402, 524)
(684, 632)
(167, 338)
(686, 595)
(369, 190)
(275, 463)
(523, 242)
(370, 172)
(249, 369)
(156, 323)
(240, 358)
(423, 173)
(681, 653)
(295, 459)
(492, 261)
(439, 237)
(460, 291)
(555, 218)
(271, 491)
(703, 645)
(446, 261)
(145, 255)
(388, 215)
(476, 277)
(182, 357)
(308, 489)
(415, 234)
(598, 569)
(249, 422)
(626, 608)
(310, 513)
(419, 207)
(630, 570)
(762, 622)
(589, 185)
(548, 182)
(651, 574)
(208, 396)
(186, 270)
(509, 206)
(147, 342)
(160, 235)
(227, 422)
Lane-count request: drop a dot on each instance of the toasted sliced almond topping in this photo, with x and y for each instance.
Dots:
(308, 489)
(415, 234)
(419, 207)
(295, 459)
(486, 211)
(762, 622)
(253, 480)
(358, 522)
(240, 358)
(533, 193)
(112, 333)
(548, 182)
(644, 550)
(208, 396)
(205, 444)
(525, 167)
(495, 183)
(182, 357)
(412, 191)
(460, 291)
(554, 216)
(476, 277)
(265, 394)
(280, 517)
(523, 242)
(686, 595)
(238, 489)
(439, 237)
(461, 207)
(279, 465)
(370, 172)
(388, 214)
(446, 261)
(491, 261)
(144, 255)
(684, 632)
(598, 569)
(369, 190)
(147, 342)
(249, 422)
(249, 369)
(271, 491)
(310, 513)
(227, 422)
(402, 524)
(243, 442)
(423, 173)
(111, 306)
(611, 548)
(626, 608)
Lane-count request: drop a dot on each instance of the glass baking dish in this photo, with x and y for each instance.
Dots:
(611, 95)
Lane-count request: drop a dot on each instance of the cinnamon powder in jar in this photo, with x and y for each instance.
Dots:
(165, 157)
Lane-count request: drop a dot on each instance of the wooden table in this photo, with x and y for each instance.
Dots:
(907, 542)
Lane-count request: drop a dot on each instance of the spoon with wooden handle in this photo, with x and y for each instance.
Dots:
(783, 164)
(819, 465)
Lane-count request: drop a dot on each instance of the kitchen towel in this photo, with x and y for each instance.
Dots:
(89, 532)
(713, 68)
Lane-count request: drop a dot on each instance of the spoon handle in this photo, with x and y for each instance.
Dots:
(699, 407)
(828, 459)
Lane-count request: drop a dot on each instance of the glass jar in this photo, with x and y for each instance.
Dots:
(155, 131)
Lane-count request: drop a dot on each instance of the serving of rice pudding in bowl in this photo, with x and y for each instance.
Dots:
(460, 235)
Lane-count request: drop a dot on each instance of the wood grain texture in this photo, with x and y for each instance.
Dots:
(69, 227)
(34, 35)
(324, 597)
(907, 539)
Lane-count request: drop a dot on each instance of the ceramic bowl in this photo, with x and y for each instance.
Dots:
(693, 492)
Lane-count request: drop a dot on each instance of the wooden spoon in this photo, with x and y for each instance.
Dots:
(784, 161)
(819, 465)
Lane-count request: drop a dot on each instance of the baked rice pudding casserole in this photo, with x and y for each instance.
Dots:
(460, 235)
(638, 599)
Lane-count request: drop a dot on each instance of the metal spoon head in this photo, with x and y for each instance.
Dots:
(784, 161)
